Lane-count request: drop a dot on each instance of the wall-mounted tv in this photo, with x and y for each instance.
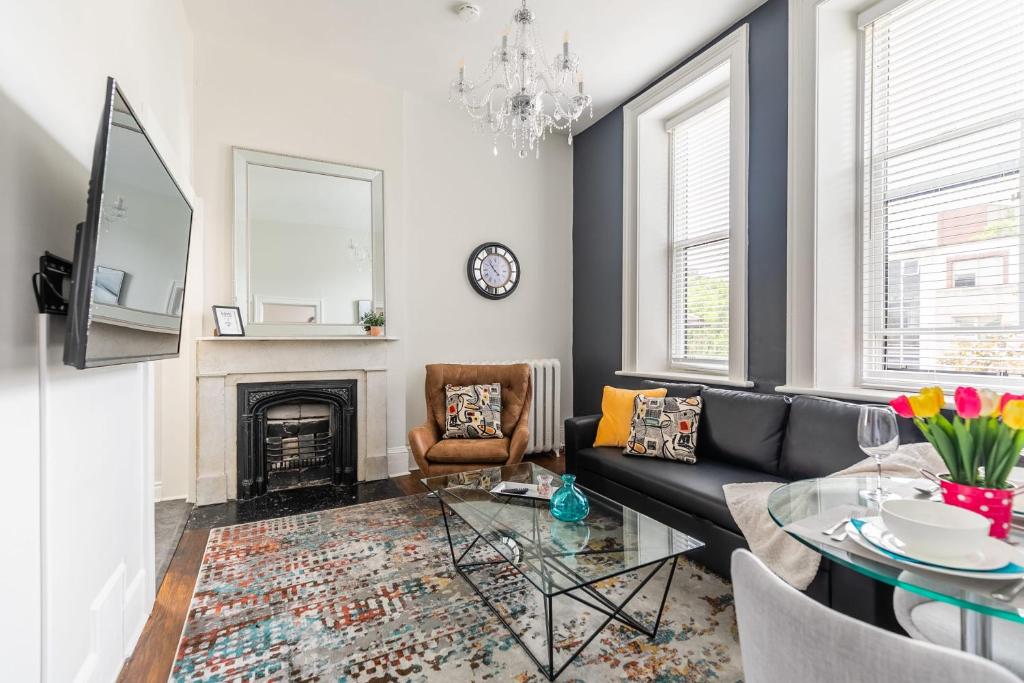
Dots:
(131, 253)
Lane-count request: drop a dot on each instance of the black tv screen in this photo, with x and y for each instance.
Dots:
(131, 252)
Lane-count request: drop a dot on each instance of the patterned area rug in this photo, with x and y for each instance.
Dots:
(368, 593)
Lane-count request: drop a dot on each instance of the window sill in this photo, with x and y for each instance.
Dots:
(876, 395)
(844, 393)
(718, 380)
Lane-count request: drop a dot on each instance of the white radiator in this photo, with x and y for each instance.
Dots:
(546, 409)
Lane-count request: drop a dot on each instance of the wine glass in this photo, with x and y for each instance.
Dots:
(879, 437)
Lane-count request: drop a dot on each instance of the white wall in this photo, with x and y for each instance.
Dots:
(458, 195)
(444, 193)
(275, 102)
(78, 539)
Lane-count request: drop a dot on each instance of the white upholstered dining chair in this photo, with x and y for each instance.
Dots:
(786, 637)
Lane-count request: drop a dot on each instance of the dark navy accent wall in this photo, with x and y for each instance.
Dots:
(597, 226)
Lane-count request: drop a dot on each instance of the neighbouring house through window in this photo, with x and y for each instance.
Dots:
(943, 139)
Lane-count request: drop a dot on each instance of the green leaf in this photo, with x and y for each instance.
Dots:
(944, 445)
(941, 420)
(1014, 459)
(996, 456)
(978, 435)
(989, 429)
(1008, 459)
(926, 432)
(965, 445)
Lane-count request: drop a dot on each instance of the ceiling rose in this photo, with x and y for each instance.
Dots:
(520, 94)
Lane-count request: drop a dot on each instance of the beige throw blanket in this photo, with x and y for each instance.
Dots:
(794, 562)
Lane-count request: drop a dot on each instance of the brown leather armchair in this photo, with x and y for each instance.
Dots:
(443, 456)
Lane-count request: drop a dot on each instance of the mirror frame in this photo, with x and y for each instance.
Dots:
(244, 299)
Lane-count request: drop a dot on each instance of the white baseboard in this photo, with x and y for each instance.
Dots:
(170, 498)
(398, 461)
(158, 494)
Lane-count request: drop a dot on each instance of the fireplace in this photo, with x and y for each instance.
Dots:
(294, 434)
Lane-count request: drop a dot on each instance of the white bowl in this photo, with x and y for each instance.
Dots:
(935, 528)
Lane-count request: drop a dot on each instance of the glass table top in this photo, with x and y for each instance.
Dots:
(555, 556)
(802, 499)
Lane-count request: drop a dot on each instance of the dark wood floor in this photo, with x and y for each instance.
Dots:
(154, 653)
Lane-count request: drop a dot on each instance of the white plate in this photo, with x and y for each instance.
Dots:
(1011, 554)
(991, 553)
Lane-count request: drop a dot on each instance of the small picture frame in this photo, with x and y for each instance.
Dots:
(229, 321)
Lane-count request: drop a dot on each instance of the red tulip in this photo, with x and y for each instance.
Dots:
(901, 404)
(968, 402)
(1006, 398)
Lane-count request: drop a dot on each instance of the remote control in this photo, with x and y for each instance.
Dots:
(516, 491)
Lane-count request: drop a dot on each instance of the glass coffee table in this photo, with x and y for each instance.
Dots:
(544, 578)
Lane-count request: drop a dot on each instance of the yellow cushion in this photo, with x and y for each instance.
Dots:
(617, 414)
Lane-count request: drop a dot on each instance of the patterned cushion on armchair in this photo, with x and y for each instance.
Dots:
(473, 411)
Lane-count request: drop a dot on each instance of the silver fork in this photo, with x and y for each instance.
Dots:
(1007, 592)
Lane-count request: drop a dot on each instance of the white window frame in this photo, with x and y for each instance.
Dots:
(732, 49)
(823, 188)
(698, 107)
(825, 161)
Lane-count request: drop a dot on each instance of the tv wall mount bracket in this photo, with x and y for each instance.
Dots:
(52, 284)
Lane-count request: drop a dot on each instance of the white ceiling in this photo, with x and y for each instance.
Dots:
(415, 45)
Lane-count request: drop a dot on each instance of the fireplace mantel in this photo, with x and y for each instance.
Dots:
(221, 365)
(350, 338)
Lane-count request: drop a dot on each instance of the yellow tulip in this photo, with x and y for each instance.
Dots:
(935, 393)
(1013, 414)
(928, 402)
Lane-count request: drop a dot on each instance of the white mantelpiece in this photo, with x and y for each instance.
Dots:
(222, 364)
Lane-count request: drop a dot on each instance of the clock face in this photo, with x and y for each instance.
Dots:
(493, 270)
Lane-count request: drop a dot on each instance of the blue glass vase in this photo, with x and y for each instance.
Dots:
(568, 503)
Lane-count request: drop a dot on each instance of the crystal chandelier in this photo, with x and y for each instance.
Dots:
(520, 94)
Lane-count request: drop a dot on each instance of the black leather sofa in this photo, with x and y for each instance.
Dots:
(741, 437)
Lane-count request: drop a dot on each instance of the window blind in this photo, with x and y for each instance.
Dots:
(943, 145)
(699, 245)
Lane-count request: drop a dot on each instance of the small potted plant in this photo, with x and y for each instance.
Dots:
(373, 322)
(979, 447)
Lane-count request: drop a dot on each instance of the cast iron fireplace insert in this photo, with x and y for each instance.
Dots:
(293, 434)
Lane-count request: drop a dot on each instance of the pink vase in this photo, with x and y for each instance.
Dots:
(996, 504)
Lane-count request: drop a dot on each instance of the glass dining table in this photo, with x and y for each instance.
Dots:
(974, 597)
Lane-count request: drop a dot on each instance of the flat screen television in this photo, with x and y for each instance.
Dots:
(131, 252)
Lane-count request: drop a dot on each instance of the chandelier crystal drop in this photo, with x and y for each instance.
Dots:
(520, 94)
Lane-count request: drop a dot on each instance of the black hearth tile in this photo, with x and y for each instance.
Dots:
(291, 502)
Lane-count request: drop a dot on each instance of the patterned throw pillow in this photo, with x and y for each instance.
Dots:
(664, 428)
(473, 412)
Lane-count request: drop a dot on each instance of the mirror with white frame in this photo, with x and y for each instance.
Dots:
(309, 244)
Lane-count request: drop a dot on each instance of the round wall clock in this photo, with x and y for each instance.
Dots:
(493, 270)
